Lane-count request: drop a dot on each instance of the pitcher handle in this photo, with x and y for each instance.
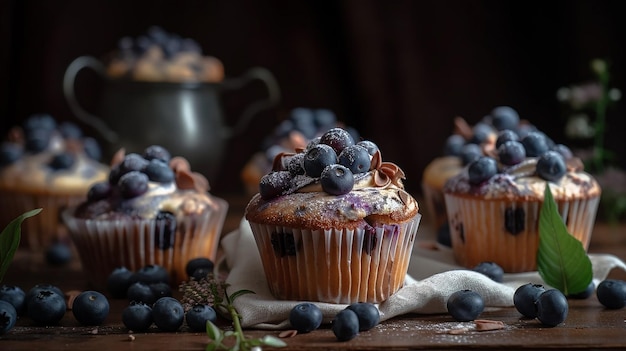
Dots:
(273, 95)
(69, 80)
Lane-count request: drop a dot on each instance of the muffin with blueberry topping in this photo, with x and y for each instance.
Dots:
(493, 204)
(333, 222)
(49, 165)
(152, 210)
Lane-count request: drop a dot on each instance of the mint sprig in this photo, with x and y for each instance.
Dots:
(561, 259)
(10, 240)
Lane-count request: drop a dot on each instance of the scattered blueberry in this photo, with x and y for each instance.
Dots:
(551, 166)
(46, 307)
(511, 153)
(15, 296)
(337, 138)
(60, 161)
(368, 314)
(37, 140)
(317, 158)
(274, 184)
(591, 288)
(118, 282)
(525, 297)
(161, 289)
(99, 191)
(470, 153)
(491, 270)
(506, 135)
(159, 171)
(504, 117)
(8, 317)
(58, 254)
(165, 231)
(157, 152)
(137, 316)
(355, 158)
(295, 165)
(453, 145)
(198, 316)
(133, 184)
(9, 153)
(69, 130)
(465, 305)
(200, 273)
(168, 314)
(345, 325)
(552, 307)
(481, 170)
(337, 180)
(141, 292)
(370, 146)
(480, 132)
(152, 273)
(90, 308)
(40, 287)
(535, 144)
(612, 293)
(514, 220)
(565, 151)
(92, 148)
(305, 317)
(198, 262)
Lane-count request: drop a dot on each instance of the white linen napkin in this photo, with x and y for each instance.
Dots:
(432, 278)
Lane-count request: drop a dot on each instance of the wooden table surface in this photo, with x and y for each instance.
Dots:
(588, 325)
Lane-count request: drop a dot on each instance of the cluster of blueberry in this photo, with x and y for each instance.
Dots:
(45, 304)
(169, 43)
(306, 317)
(334, 158)
(38, 133)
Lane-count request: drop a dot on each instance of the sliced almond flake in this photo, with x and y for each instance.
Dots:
(288, 333)
(487, 324)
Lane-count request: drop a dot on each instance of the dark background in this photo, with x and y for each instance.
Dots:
(397, 71)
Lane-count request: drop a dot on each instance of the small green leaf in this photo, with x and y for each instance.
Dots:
(561, 259)
(10, 240)
(273, 341)
(238, 293)
(214, 332)
(211, 346)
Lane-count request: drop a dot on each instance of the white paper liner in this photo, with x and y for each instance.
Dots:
(333, 265)
(479, 234)
(104, 245)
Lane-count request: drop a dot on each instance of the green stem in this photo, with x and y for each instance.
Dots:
(236, 323)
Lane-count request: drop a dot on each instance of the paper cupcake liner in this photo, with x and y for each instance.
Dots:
(335, 265)
(507, 232)
(39, 231)
(104, 245)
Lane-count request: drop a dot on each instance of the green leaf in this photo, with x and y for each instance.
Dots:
(10, 240)
(561, 259)
(214, 332)
(273, 341)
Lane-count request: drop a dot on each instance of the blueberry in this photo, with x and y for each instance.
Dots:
(470, 153)
(92, 148)
(565, 151)
(511, 153)
(552, 307)
(41, 287)
(9, 153)
(317, 158)
(591, 288)
(60, 161)
(90, 308)
(305, 317)
(15, 296)
(8, 317)
(200, 273)
(454, 145)
(612, 293)
(40, 121)
(37, 140)
(132, 162)
(480, 132)
(514, 220)
(345, 325)
(535, 144)
(337, 180)
(481, 170)
(165, 230)
(58, 254)
(368, 314)
(157, 152)
(141, 292)
(551, 166)
(137, 316)
(274, 184)
(168, 314)
(283, 244)
(370, 146)
(198, 316)
(525, 297)
(465, 305)
(198, 262)
(152, 273)
(355, 158)
(312, 143)
(46, 307)
(504, 117)
(159, 171)
(99, 191)
(133, 184)
(303, 121)
(506, 135)
(161, 289)
(295, 164)
(324, 119)
(337, 138)
(491, 270)
(70, 130)
(118, 282)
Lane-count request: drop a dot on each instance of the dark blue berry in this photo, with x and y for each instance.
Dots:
(159, 171)
(133, 162)
(274, 184)
(565, 151)
(99, 191)
(480, 132)
(41, 287)
(511, 153)
(481, 170)
(525, 297)
(465, 305)
(46, 308)
(9, 153)
(118, 282)
(523, 129)
(58, 254)
(157, 152)
(198, 316)
(92, 148)
(535, 144)
(345, 325)
(470, 153)
(8, 317)
(504, 117)
(161, 289)
(337, 138)
(491, 270)
(200, 273)
(165, 230)
(506, 135)
(355, 158)
(168, 314)
(551, 166)
(305, 317)
(141, 292)
(611, 293)
(37, 140)
(61, 161)
(70, 130)
(368, 314)
(137, 316)
(152, 273)
(514, 220)
(552, 307)
(370, 146)
(454, 145)
(324, 119)
(15, 296)
(312, 143)
(283, 244)
(303, 121)
(337, 180)
(295, 164)
(90, 308)
(133, 184)
(589, 290)
(198, 262)
(317, 158)
(40, 121)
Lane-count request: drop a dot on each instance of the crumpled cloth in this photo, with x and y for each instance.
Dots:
(432, 278)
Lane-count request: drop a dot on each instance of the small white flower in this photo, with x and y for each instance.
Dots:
(615, 94)
(578, 127)
(563, 94)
